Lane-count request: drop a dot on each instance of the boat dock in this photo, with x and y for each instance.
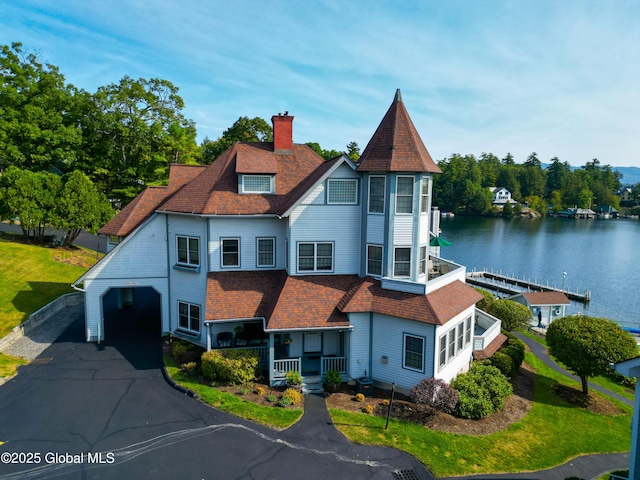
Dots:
(514, 285)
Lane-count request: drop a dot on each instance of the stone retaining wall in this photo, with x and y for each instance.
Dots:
(38, 318)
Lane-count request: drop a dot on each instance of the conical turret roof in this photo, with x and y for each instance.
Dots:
(396, 145)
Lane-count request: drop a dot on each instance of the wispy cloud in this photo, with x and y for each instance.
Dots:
(558, 78)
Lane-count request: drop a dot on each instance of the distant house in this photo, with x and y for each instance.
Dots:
(626, 194)
(631, 368)
(501, 196)
(607, 211)
(550, 305)
(315, 265)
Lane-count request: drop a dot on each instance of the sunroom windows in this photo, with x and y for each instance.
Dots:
(452, 342)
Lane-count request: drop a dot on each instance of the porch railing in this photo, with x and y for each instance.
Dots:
(338, 364)
(281, 367)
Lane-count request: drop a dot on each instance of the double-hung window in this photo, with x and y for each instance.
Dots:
(315, 257)
(404, 195)
(423, 260)
(266, 253)
(230, 252)
(413, 357)
(376, 194)
(374, 260)
(467, 331)
(402, 262)
(424, 196)
(343, 191)
(442, 356)
(189, 317)
(188, 251)
(452, 344)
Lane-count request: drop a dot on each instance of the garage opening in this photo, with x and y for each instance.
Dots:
(133, 324)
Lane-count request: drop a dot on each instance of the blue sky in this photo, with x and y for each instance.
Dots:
(560, 77)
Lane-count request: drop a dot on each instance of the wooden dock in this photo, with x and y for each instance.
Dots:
(514, 285)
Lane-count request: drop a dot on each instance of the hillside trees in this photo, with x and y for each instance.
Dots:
(134, 132)
(38, 126)
(40, 199)
(244, 129)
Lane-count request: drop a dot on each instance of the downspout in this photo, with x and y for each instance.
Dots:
(166, 223)
(371, 345)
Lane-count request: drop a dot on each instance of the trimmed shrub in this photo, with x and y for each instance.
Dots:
(504, 363)
(481, 391)
(436, 393)
(231, 366)
(259, 391)
(189, 367)
(333, 378)
(360, 397)
(293, 395)
(368, 409)
(284, 402)
(516, 355)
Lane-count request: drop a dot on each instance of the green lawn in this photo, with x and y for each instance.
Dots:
(274, 417)
(8, 365)
(524, 446)
(30, 278)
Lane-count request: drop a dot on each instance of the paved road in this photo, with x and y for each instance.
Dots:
(79, 398)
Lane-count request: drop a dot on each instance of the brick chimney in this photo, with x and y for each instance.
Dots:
(282, 133)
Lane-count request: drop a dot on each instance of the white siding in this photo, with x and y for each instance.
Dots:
(402, 230)
(359, 345)
(339, 224)
(424, 229)
(96, 289)
(187, 286)
(140, 260)
(316, 197)
(375, 229)
(462, 360)
(247, 229)
(388, 341)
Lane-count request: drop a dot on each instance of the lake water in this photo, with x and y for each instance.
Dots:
(602, 256)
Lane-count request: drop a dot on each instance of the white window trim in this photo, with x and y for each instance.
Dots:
(273, 252)
(342, 180)
(315, 257)
(271, 182)
(190, 330)
(404, 352)
(463, 328)
(413, 193)
(222, 240)
(425, 183)
(381, 260)
(394, 261)
(422, 262)
(384, 195)
(188, 263)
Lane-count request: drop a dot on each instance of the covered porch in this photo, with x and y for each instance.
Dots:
(311, 353)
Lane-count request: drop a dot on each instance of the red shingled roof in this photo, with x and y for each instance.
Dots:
(437, 307)
(215, 191)
(141, 207)
(322, 301)
(491, 348)
(546, 298)
(396, 145)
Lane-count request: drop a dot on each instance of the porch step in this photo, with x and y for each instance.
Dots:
(312, 384)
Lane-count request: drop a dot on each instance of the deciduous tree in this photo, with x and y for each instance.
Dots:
(588, 345)
(512, 314)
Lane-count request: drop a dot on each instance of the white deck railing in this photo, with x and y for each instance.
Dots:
(491, 326)
(339, 364)
(281, 367)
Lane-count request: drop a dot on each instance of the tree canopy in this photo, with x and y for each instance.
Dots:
(588, 345)
(512, 314)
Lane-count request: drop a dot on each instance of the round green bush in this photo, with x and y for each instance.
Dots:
(504, 363)
(516, 355)
(482, 391)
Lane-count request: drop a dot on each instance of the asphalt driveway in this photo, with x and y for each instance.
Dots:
(78, 400)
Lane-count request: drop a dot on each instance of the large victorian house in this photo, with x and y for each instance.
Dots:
(317, 265)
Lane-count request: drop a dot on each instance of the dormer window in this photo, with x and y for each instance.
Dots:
(257, 184)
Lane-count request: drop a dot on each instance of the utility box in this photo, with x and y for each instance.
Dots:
(364, 385)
